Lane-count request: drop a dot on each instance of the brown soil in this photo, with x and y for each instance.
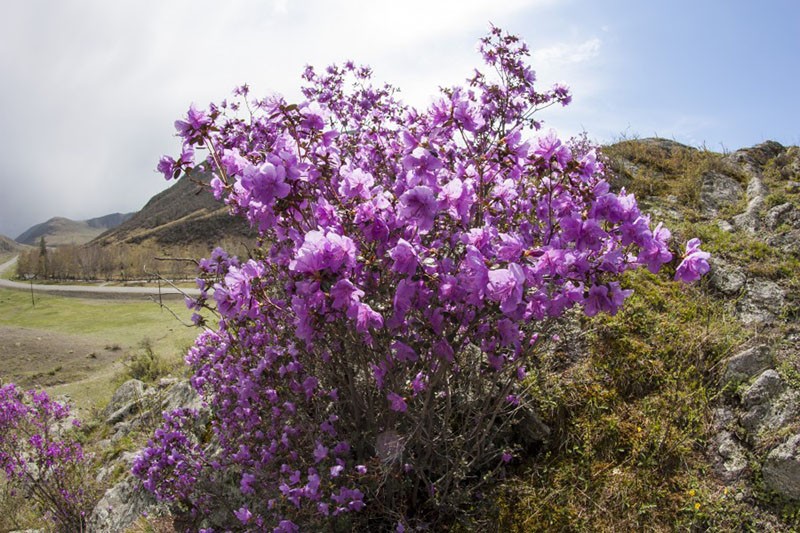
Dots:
(41, 358)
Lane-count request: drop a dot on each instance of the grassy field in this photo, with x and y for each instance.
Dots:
(78, 346)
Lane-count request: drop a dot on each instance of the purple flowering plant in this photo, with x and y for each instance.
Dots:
(372, 354)
(41, 457)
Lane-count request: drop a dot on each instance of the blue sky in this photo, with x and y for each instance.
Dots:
(89, 89)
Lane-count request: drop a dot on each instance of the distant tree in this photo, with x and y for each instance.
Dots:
(42, 270)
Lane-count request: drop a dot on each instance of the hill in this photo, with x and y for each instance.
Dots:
(184, 214)
(9, 246)
(59, 231)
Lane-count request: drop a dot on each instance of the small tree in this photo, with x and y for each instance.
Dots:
(373, 353)
(42, 269)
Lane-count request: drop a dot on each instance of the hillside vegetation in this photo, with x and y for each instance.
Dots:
(682, 412)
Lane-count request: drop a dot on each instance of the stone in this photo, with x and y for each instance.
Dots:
(788, 242)
(731, 461)
(725, 226)
(772, 414)
(781, 214)
(129, 392)
(744, 365)
(122, 505)
(726, 278)
(793, 187)
(762, 302)
(767, 386)
(718, 190)
(781, 470)
(181, 395)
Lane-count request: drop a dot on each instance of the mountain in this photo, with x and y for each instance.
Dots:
(186, 213)
(59, 230)
(9, 246)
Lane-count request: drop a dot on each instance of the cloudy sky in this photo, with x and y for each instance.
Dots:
(89, 89)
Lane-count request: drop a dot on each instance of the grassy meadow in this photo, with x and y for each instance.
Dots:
(79, 347)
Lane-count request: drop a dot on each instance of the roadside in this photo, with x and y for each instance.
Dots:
(162, 291)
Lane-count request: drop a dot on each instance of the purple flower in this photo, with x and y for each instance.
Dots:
(419, 206)
(505, 285)
(247, 482)
(195, 121)
(550, 148)
(694, 264)
(243, 514)
(265, 182)
(322, 251)
(405, 258)
(396, 402)
(356, 183)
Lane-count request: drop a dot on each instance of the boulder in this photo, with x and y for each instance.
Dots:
(718, 190)
(770, 405)
(744, 365)
(122, 505)
(781, 470)
(781, 214)
(128, 393)
(762, 302)
(731, 456)
(726, 278)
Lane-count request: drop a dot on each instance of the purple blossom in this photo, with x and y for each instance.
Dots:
(243, 515)
(418, 206)
(356, 183)
(694, 264)
(506, 285)
(405, 258)
(194, 124)
(396, 402)
(322, 251)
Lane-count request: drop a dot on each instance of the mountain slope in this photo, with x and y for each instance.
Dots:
(59, 230)
(186, 213)
(9, 246)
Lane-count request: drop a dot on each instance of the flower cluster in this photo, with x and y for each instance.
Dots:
(374, 349)
(40, 457)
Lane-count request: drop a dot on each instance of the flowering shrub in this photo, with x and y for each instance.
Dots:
(40, 459)
(373, 353)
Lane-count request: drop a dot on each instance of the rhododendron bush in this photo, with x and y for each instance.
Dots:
(372, 355)
(41, 459)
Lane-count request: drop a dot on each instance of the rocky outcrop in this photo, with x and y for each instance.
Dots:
(136, 406)
(717, 191)
(781, 470)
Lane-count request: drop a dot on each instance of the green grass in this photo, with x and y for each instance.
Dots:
(120, 326)
(630, 421)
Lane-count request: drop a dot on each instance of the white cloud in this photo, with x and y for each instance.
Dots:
(567, 53)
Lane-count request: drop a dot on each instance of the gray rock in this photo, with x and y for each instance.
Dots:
(782, 214)
(717, 191)
(129, 392)
(762, 302)
(731, 456)
(781, 470)
(793, 187)
(182, 394)
(788, 242)
(122, 505)
(725, 226)
(769, 416)
(744, 365)
(726, 278)
(767, 386)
